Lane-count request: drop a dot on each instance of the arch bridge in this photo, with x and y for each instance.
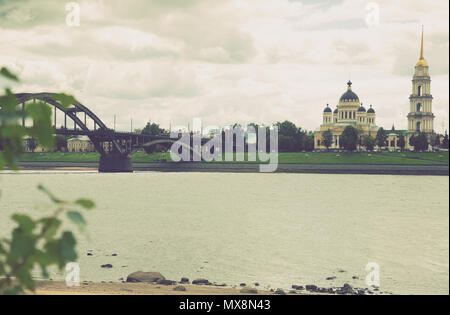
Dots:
(114, 147)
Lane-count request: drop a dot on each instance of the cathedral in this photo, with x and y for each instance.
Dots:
(350, 111)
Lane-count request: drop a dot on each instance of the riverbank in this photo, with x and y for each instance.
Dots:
(428, 170)
(91, 288)
(382, 158)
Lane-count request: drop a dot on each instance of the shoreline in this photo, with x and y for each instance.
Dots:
(361, 169)
(127, 288)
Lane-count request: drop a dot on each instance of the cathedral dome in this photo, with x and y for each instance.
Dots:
(371, 110)
(361, 109)
(336, 111)
(327, 109)
(349, 96)
(422, 63)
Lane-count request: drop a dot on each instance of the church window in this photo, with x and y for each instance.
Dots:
(418, 125)
(419, 90)
(419, 107)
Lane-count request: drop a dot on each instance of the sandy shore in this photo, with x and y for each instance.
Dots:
(90, 288)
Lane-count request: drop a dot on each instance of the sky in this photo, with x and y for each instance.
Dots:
(227, 61)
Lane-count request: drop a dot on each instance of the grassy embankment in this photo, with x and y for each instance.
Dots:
(406, 158)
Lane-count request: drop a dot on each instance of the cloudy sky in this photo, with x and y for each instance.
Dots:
(227, 61)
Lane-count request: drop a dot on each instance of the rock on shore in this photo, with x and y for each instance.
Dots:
(141, 276)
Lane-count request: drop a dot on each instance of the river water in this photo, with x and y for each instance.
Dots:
(274, 229)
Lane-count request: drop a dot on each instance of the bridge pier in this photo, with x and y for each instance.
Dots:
(115, 163)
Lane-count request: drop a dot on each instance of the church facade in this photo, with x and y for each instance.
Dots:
(421, 117)
(350, 111)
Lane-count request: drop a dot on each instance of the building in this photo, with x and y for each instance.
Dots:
(421, 117)
(30, 145)
(80, 144)
(349, 112)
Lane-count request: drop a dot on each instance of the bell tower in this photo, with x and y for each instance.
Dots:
(421, 117)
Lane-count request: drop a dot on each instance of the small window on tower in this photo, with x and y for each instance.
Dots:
(419, 107)
(419, 90)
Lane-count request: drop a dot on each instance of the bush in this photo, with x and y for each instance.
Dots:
(33, 242)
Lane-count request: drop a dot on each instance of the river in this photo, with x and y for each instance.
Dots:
(274, 229)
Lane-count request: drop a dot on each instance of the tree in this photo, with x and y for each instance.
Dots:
(60, 143)
(327, 139)
(445, 141)
(402, 142)
(290, 138)
(381, 138)
(421, 142)
(152, 129)
(349, 138)
(31, 144)
(34, 242)
(436, 141)
(369, 143)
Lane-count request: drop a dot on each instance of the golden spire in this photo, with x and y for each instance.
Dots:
(421, 45)
(422, 62)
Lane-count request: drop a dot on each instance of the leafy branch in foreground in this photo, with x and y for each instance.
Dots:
(39, 243)
(33, 242)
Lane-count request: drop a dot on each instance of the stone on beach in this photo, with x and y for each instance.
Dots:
(141, 276)
(311, 287)
(107, 266)
(184, 280)
(165, 282)
(201, 281)
(179, 288)
(248, 290)
(280, 292)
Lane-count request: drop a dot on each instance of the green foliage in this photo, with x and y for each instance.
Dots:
(38, 242)
(369, 143)
(33, 242)
(381, 138)
(293, 139)
(402, 142)
(419, 142)
(327, 139)
(152, 129)
(445, 141)
(349, 138)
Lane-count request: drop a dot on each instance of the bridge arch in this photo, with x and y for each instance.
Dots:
(107, 135)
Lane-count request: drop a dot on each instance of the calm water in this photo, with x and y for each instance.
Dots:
(275, 229)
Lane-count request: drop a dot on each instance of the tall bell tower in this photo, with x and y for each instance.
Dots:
(421, 117)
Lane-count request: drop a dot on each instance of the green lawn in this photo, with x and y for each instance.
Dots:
(406, 158)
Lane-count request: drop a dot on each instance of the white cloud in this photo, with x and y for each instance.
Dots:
(227, 61)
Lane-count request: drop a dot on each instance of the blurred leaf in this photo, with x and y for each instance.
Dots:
(85, 203)
(77, 218)
(26, 224)
(7, 74)
(65, 100)
(14, 290)
(21, 246)
(23, 274)
(8, 102)
(50, 195)
(42, 128)
(51, 226)
(68, 243)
